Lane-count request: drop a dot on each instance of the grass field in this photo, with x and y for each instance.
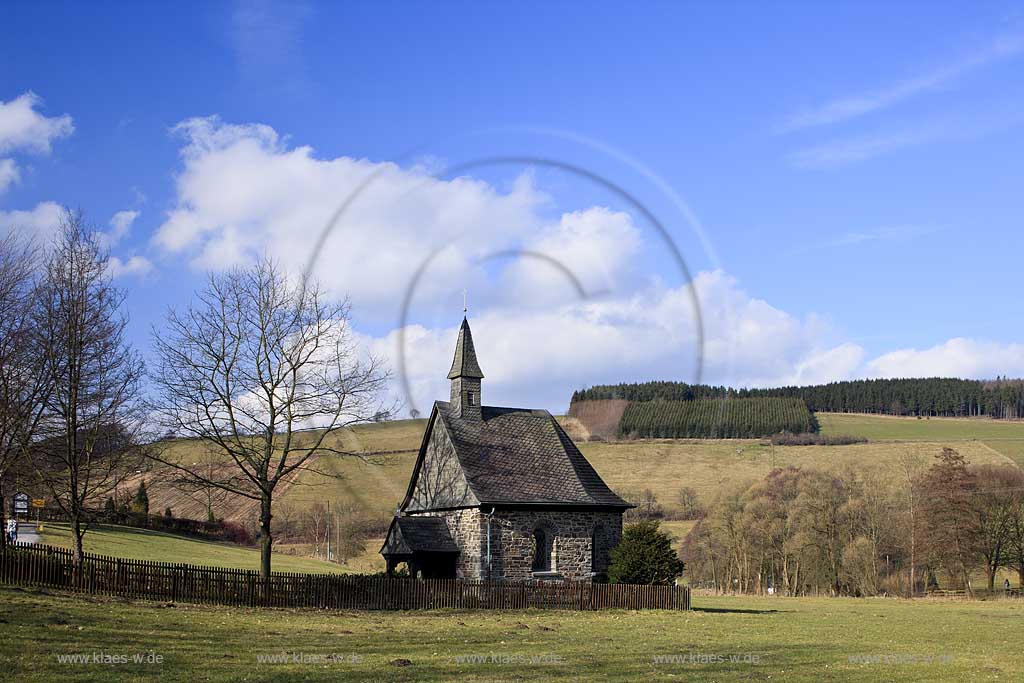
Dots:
(888, 428)
(143, 544)
(723, 639)
(1004, 437)
(1011, 448)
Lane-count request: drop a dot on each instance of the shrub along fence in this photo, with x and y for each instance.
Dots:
(38, 565)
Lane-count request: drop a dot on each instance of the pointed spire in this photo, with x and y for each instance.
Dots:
(465, 364)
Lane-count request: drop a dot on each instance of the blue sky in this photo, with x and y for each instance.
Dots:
(843, 180)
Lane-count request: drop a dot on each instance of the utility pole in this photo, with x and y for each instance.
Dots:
(329, 531)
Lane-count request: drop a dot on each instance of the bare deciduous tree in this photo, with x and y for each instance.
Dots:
(1015, 537)
(689, 503)
(21, 385)
(315, 529)
(995, 503)
(947, 494)
(911, 467)
(87, 442)
(251, 368)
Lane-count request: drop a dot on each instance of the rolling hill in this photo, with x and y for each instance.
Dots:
(372, 481)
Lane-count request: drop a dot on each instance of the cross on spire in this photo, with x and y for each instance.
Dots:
(465, 306)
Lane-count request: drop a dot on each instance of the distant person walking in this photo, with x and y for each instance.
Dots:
(12, 530)
(1006, 584)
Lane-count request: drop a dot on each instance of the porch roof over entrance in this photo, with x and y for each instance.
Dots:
(414, 535)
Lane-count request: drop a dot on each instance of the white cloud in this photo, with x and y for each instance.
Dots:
(585, 253)
(958, 357)
(22, 127)
(854, 106)
(121, 223)
(9, 174)
(537, 357)
(40, 222)
(120, 227)
(244, 191)
(134, 265)
(829, 365)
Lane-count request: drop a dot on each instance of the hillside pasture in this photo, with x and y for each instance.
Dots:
(375, 478)
(710, 467)
(1011, 448)
(372, 481)
(377, 484)
(368, 451)
(373, 485)
(889, 428)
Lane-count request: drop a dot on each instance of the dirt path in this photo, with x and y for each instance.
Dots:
(27, 533)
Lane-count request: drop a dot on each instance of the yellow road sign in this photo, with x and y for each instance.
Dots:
(38, 502)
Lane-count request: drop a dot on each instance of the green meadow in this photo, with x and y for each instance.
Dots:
(723, 639)
(888, 428)
(143, 544)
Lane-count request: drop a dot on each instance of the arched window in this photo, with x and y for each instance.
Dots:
(542, 549)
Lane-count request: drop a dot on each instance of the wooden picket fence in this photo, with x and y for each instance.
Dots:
(39, 565)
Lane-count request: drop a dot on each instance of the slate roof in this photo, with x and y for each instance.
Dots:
(522, 456)
(465, 364)
(408, 535)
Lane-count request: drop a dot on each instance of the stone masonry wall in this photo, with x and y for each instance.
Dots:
(512, 542)
(467, 528)
(571, 552)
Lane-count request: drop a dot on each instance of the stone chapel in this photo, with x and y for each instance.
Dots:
(501, 494)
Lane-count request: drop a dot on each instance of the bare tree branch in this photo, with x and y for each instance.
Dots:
(254, 361)
(88, 435)
(21, 383)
